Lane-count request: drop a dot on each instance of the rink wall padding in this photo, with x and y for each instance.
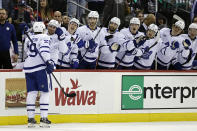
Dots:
(104, 118)
(105, 96)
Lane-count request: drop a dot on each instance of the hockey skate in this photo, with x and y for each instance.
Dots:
(31, 123)
(45, 123)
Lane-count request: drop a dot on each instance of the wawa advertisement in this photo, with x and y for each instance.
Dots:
(105, 93)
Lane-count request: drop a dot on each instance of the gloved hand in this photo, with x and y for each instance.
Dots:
(114, 47)
(194, 64)
(50, 66)
(138, 42)
(140, 39)
(75, 65)
(174, 45)
(186, 44)
(108, 37)
(177, 66)
(60, 34)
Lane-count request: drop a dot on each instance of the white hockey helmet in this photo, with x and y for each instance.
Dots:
(180, 24)
(54, 23)
(93, 14)
(153, 27)
(193, 26)
(135, 20)
(115, 20)
(38, 27)
(75, 21)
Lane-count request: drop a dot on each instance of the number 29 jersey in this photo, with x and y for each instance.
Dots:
(40, 45)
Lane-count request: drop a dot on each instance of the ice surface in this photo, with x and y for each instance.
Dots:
(141, 126)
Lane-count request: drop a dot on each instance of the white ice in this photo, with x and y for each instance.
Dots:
(140, 126)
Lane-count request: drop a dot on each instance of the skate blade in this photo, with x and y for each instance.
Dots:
(30, 125)
(44, 125)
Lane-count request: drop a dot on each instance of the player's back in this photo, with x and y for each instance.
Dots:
(40, 43)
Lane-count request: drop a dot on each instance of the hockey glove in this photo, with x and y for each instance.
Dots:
(139, 43)
(60, 34)
(50, 66)
(194, 64)
(186, 44)
(140, 38)
(108, 37)
(177, 66)
(174, 45)
(75, 65)
(114, 47)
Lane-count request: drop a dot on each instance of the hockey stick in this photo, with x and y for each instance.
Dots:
(88, 47)
(68, 95)
(176, 17)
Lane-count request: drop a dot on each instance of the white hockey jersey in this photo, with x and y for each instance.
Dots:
(150, 48)
(55, 47)
(167, 51)
(86, 34)
(66, 58)
(186, 54)
(123, 57)
(33, 62)
(107, 56)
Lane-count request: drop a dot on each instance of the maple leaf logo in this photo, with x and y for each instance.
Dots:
(74, 84)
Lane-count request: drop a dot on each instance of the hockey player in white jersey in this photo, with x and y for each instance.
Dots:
(110, 44)
(36, 73)
(60, 31)
(150, 46)
(124, 59)
(170, 45)
(56, 43)
(90, 35)
(187, 49)
(69, 58)
(132, 31)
